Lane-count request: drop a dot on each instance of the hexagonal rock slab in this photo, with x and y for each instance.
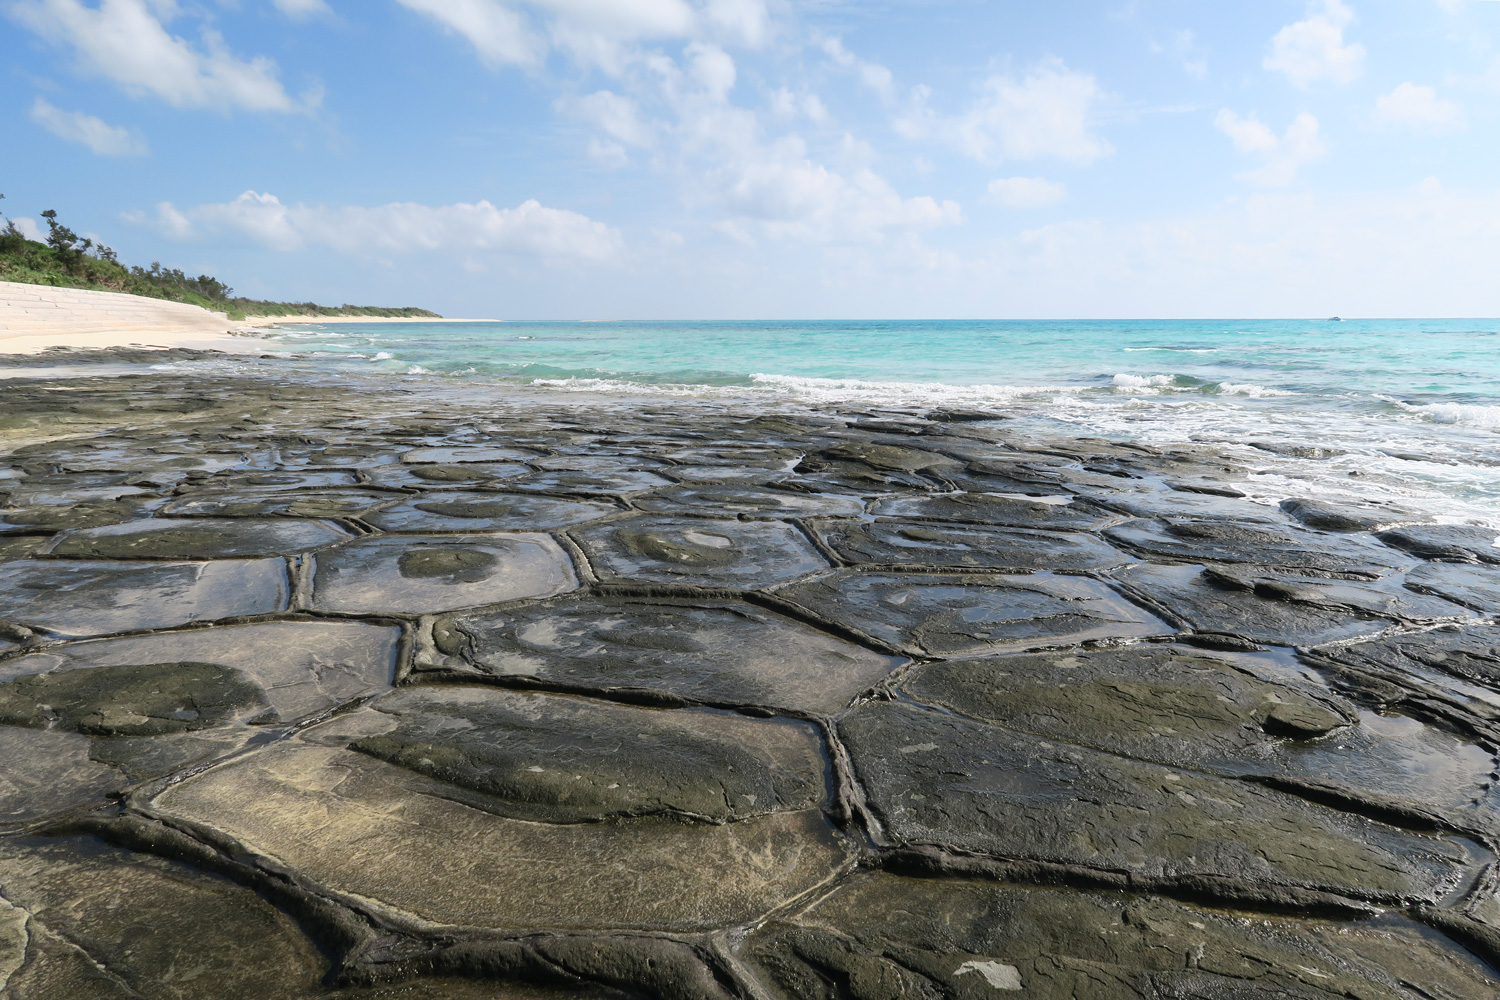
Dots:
(893, 937)
(465, 453)
(441, 476)
(1051, 512)
(957, 615)
(1385, 596)
(446, 512)
(699, 551)
(619, 483)
(44, 772)
(403, 574)
(81, 919)
(1221, 540)
(557, 759)
(304, 668)
(1210, 605)
(328, 814)
(97, 598)
(719, 652)
(199, 538)
(931, 543)
(281, 503)
(936, 779)
(1183, 708)
(723, 501)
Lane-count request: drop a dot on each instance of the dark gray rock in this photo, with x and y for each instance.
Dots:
(930, 543)
(1475, 586)
(281, 503)
(884, 937)
(1384, 596)
(956, 615)
(698, 551)
(556, 759)
(82, 598)
(728, 501)
(1203, 540)
(138, 700)
(1327, 516)
(621, 483)
(1048, 511)
(198, 538)
(939, 780)
(474, 511)
(1446, 542)
(719, 652)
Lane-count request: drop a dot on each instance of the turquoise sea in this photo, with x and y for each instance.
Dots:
(1411, 407)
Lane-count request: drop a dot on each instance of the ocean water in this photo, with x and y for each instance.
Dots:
(1410, 408)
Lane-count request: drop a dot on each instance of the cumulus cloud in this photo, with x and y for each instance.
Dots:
(401, 227)
(301, 10)
(75, 126)
(1314, 49)
(124, 41)
(873, 75)
(1048, 113)
(1284, 155)
(1027, 192)
(1416, 107)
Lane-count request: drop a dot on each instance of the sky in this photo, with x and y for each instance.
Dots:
(775, 159)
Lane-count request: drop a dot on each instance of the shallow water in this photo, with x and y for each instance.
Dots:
(1403, 409)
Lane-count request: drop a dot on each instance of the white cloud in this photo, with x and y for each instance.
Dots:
(30, 229)
(1314, 49)
(1416, 107)
(498, 32)
(1183, 46)
(1048, 113)
(123, 41)
(871, 74)
(301, 10)
(75, 126)
(1027, 192)
(1284, 155)
(402, 227)
(595, 32)
(616, 116)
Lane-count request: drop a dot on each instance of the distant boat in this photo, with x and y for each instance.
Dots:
(1335, 319)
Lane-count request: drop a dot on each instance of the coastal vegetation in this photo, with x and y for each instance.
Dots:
(67, 260)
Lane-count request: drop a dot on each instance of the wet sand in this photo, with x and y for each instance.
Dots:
(310, 685)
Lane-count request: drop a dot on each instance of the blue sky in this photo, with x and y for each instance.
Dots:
(604, 159)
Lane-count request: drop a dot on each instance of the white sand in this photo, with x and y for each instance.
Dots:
(36, 317)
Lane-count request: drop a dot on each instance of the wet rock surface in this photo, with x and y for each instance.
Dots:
(307, 690)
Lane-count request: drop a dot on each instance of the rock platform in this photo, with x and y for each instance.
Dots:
(352, 690)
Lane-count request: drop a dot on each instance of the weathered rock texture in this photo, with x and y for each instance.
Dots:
(314, 691)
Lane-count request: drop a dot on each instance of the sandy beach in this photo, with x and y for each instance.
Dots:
(34, 318)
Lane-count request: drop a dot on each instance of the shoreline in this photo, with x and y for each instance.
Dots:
(36, 318)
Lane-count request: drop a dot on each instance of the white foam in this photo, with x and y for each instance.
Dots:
(1250, 389)
(1466, 414)
(383, 356)
(1138, 382)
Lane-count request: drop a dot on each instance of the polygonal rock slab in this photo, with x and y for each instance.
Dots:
(43, 772)
(936, 779)
(464, 453)
(931, 543)
(331, 815)
(1184, 708)
(1210, 605)
(558, 759)
(97, 598)
(720, 652)
(1050, 512)
(87, 514)
(1222, 540)
(441, 476)
(699, 551)
(956, 615)
(304, 668)
(1327, 516)
(1385, 596)
(893, 937)
(438, 512)
(108, 924)
(619, 483)
(1448, 542)
(402, 574)
(202, 538)
(1468, 653)
(726, 501)
(282, 503)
